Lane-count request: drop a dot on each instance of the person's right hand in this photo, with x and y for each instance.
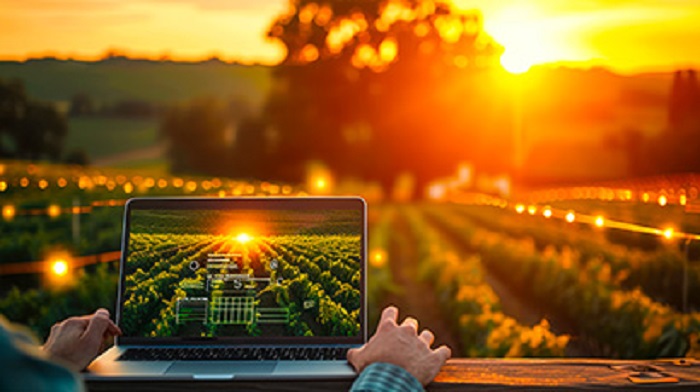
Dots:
(402, 346)
(75, 342)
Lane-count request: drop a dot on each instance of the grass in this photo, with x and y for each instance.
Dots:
(102, 137)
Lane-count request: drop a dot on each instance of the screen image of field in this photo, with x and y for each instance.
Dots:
(233, 273)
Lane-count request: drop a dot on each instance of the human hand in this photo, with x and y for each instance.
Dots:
(402, 346)
(78, 340)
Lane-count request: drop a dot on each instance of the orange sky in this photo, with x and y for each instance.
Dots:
(626, 35)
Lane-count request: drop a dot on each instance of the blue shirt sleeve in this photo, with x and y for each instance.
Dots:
(23, 367)
(385, 377)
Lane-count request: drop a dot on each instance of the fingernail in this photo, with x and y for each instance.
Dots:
(102, 311)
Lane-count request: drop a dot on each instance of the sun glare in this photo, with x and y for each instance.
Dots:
(514, 62)
(244, 238)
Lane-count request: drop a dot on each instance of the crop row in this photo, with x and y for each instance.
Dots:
(472, 305)
(307, 273)
(657, 273)
(625, 323)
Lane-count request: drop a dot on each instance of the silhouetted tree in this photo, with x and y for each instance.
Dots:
(373, 88)
(676, 149)
(28, 129)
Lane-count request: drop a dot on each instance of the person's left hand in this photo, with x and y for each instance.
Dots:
(76, 341)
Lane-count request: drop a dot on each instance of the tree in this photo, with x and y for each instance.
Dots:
(374, 88)
(28, 129)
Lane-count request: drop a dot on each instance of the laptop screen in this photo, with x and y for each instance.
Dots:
(217, 269)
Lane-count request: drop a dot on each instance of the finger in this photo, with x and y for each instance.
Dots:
(410, 321)
(443, 353)
(96, 329)
(390, 313)
(112, 328)
(427, 336)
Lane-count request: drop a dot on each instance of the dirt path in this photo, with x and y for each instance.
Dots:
(520, 306)
(417, 299)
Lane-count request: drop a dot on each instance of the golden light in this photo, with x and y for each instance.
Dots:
(378, 258)
(53, 210)
(532, 210)
(8, 212)
(663, 200)
(599, 221)
(515, 62)
(3, 186)
(43, 184)
(128, 187)
(388, 50)
(244, 238)
(683, 200)
(191, 186)
(547, 213)
(59, 267)
(24, 182)
(570, 216)
(668, 233)
(645, 197)
(520, 208)
(62, 182)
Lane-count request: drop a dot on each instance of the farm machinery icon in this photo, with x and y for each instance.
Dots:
(223, 294)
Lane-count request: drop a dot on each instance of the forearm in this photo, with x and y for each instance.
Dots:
(385, 377)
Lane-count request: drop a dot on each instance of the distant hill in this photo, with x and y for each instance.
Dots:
(567, 114)
(118, 79)
(132, 141)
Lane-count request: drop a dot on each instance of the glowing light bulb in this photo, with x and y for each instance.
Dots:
(59, 267)
(520, 208)
(668, 233)
(570, 217)
(547, 213)
(54, 211)
(378, 258)
(599, 221)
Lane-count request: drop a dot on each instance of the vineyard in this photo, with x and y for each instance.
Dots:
(280, 286)
(491, 277)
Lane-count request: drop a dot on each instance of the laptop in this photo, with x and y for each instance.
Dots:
(239, 288)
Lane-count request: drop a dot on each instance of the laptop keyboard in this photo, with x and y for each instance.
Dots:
(234, 353)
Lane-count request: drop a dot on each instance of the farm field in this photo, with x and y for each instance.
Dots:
(490, 279)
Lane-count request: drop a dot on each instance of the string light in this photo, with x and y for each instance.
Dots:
(570, 216)
(599, 221)
(8, 212)
(53, 211)
(378, 258)
(668, 233)
(663, 200)
(520, 208)
(547, 213)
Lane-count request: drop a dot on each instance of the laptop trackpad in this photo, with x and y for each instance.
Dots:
(221, 367)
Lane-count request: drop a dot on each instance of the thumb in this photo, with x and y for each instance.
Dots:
(353, 357)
